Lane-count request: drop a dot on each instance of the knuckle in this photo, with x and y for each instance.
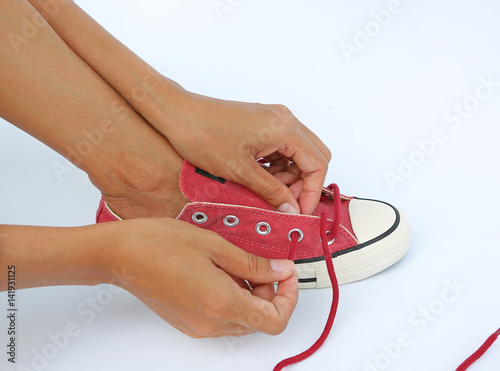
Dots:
(193, 335)
(218, 308)
(284, 121)
(254, 265)
(323, 163)
(320, 164)
(278, 327)
(281, 108)
(236, 171)
(328, 155)
(205, 330)
(281, 118)
(272, 192)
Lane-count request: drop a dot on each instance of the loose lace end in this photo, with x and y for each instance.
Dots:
(333, 278)
(479, 353)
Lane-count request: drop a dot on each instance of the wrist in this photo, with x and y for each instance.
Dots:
(141, 184)
(136, 246)
(162, 100)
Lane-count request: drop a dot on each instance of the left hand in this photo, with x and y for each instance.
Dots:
(226, 137)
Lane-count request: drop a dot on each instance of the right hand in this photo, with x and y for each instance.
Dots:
(197, 281)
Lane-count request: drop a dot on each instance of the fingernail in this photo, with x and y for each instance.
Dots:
(281, 266)
(288, 208)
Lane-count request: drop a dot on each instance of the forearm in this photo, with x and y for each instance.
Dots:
(236, 133)
(49, 92)
(47, 256)
(141, 85)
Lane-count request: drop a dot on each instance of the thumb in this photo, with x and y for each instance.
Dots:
(267, 186)
(250, 267)
(272, 313)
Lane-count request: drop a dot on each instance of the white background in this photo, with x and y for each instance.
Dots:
(370, 110)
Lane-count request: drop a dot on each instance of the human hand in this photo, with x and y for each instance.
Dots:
(137, 170)
(222, 137)
(226, 137)
(196, 281)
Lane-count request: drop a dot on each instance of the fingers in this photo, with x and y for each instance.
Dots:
(296, 188)
(288, 178)
(264, 291)
(316, 141)
(297, 143)
(237, 262)
(208, 288)
(289, 140)
(270, 317)
(261, 309)
(197, 329)
(241, 283)
(284, 111)
(287, 295)
(311, 156)
(277, 162)
(313, 165)
(282, 169)
(271, 189)
(311, 191)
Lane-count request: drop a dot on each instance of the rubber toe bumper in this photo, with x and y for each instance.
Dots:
(383, 234)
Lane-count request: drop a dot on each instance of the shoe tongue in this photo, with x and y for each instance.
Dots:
(199, 186)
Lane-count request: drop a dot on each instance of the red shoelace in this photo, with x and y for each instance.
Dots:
(331, 273)
(335, 288)
(478, 353)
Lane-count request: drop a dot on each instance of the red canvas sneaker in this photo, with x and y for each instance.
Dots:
(371, 236)
(358, 237)
(362, 236)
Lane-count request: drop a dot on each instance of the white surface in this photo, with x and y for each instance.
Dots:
(369, 112)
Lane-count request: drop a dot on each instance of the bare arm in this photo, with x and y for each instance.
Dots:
(48, 256)
(49, 92)
(241, 132)
(143, 257)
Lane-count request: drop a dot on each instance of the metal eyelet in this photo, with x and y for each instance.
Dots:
(329, 242)
(263, 232)
(296, 230)
(230, 221)
(199, 217)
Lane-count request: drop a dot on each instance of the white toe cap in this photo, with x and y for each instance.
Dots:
(370, 218)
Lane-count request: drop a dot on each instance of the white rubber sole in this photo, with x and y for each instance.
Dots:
(358, 262)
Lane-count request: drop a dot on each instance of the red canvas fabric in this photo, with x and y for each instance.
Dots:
(219, 198)
(276, 244)
(199, 188)
(327, 231)
(104, 214)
